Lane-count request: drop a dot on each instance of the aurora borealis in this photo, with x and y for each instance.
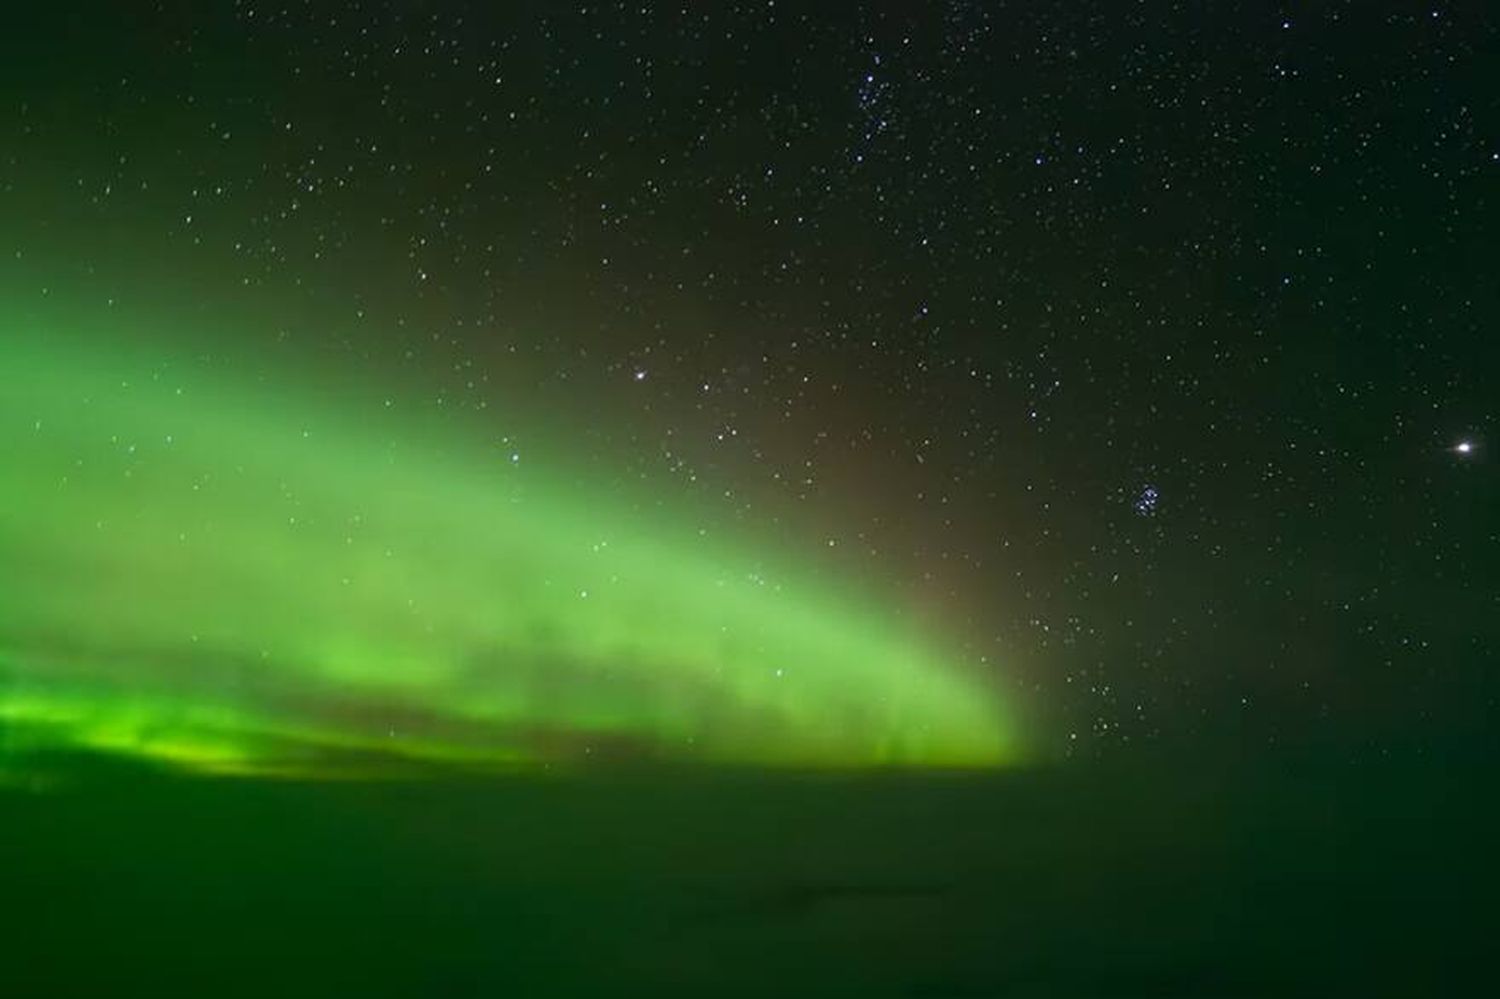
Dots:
(748, 498)
(289, 574)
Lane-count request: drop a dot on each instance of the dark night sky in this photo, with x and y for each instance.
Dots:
(1129, 346)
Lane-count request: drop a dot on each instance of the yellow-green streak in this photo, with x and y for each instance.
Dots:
(236, 571)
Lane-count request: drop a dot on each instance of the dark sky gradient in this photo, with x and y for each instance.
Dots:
(1141, 358)
(947, 291)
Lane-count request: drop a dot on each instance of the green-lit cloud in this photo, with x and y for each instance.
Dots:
(242, 573)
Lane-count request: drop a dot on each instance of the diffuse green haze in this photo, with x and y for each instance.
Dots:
(239, 573)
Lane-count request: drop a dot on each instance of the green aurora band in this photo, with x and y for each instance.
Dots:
(247, 569)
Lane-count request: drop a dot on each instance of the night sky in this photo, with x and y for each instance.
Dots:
(393, 388)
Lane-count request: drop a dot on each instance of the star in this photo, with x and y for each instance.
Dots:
(1464, 448)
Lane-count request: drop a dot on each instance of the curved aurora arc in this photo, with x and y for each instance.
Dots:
(241, 574)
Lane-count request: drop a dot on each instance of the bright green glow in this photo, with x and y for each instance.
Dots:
(248, 573)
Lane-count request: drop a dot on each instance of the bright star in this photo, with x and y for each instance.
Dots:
(1463, 448)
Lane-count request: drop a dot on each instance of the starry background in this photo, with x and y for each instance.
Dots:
(1144, 352)
(1129, 346)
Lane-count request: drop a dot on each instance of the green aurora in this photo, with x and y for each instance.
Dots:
(241, 567)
